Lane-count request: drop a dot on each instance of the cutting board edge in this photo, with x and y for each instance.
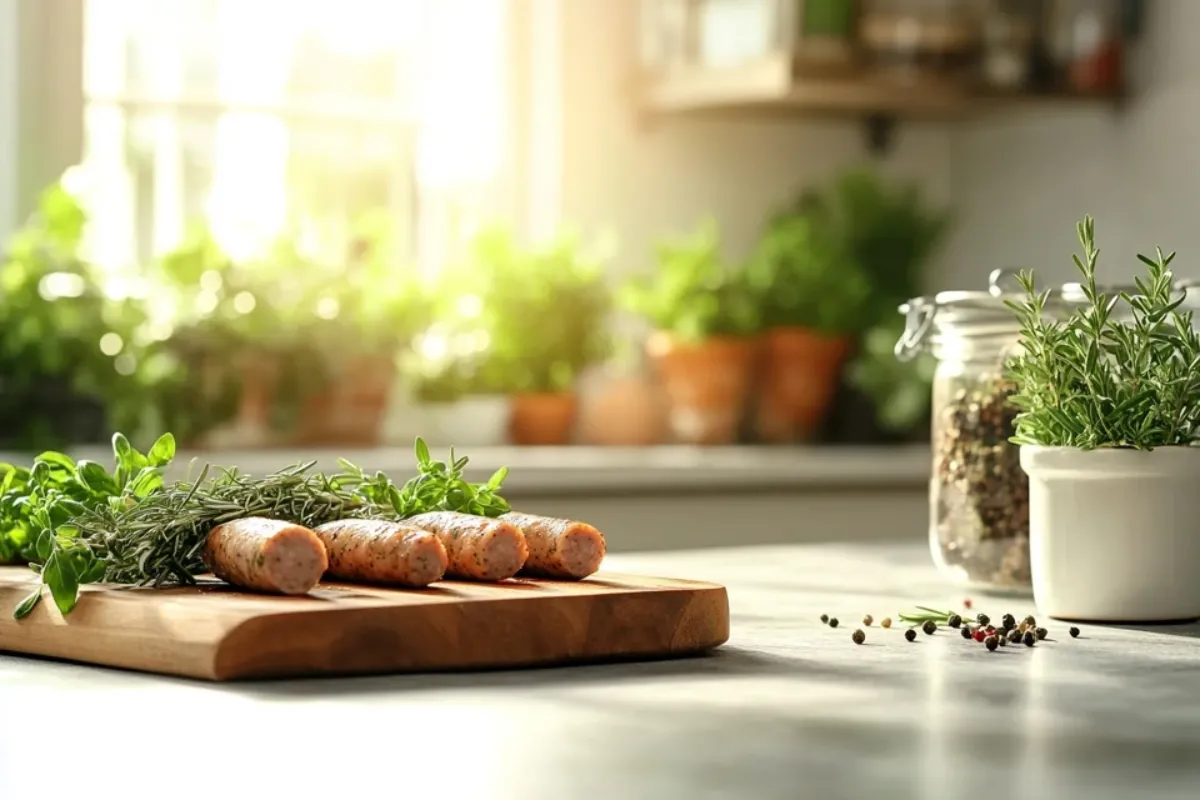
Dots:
(702, 623)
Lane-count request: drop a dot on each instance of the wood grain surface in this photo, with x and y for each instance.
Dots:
(216, 632)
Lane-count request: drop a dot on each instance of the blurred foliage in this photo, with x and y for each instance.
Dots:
(900, 391)
(886, 227)
(514, 319)
(288, 312)
(693, 293)
(54, 313)
(804, 275)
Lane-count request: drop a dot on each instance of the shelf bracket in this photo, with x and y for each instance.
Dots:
(880, 132)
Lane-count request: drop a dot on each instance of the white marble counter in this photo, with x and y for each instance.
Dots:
(788, 709)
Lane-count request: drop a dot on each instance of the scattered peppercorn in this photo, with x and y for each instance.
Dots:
(1029, 639)
(966, 632)
(911, 635)
(1074, 632)
(886, 622)
(1030, 622)
(1041, 633)
(1014, 636)
(979, 635)
(983, 619)
(1003, 639)
(954, 621)
(967, 603)
(833, 622)
(867, 620)
(825, 618)
(1008, 622)
(929, 627)
(858, 636)
(991, 643)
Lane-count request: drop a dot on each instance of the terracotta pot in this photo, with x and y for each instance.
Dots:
(800, 370)
(351, 409)
(542, 419)
(626, 410)
(707, 384)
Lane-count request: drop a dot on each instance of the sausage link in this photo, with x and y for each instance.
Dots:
(559, 548)
(376, 551)
(266, 554)
(479, 548)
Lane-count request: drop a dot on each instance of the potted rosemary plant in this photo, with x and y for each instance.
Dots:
(704, 341)
(1109, 421)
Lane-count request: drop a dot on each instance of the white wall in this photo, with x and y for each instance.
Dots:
(1021, 180)
(642, 178)
(9, 99)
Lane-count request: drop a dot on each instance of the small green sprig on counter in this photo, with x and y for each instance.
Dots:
(1096, 379)
(77, 524)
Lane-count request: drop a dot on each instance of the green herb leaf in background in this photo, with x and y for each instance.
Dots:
(693, 292)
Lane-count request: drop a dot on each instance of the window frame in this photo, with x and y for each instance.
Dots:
(42, 121)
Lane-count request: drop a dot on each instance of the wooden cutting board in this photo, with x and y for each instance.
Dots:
(215, 632)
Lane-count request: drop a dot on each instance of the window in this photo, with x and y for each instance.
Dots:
(270, 117)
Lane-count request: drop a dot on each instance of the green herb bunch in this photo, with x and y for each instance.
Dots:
(693, 293)
(1095, 379)
(42, 506)
(77, 524)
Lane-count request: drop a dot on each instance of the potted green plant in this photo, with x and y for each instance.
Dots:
(814, 299)
(1108, 427)
(540, 316)
(703, 346)
(358, 320)
(891, 231)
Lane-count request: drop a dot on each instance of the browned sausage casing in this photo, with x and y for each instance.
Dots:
(375, 551)
(479, 548)
(559, 548)
(266, 554)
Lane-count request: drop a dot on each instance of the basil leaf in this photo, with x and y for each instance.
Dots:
(60, 576)
(26, 606)
(163, 451)
(123, 452)
(497, 479)
(423, 457)
(45, 544)
(96, 478)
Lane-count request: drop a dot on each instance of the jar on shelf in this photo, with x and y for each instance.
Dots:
(978, 493)
(918, 41)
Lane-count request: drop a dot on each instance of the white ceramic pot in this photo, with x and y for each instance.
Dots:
(1114, 535)
(480, 421)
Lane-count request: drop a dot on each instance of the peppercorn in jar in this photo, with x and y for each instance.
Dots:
(979, 495)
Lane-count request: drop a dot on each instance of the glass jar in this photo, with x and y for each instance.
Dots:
(978, 493)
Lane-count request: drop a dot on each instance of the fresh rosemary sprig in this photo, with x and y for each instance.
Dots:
(1095, 380)
(153, 535)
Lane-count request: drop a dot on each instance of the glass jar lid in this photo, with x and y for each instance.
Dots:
(980, 315)
(963, 314)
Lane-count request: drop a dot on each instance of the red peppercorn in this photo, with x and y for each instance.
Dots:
(967, 602)
(979, 635)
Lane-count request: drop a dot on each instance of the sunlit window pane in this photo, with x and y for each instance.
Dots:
(266, 117)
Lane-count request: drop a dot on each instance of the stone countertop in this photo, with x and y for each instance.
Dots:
(789, 708)
(612, 470)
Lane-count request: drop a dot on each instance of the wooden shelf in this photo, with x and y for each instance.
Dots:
(773, 85)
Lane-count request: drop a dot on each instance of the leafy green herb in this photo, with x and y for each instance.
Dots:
(1095, 379)
(84, 525)
(41, 508)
